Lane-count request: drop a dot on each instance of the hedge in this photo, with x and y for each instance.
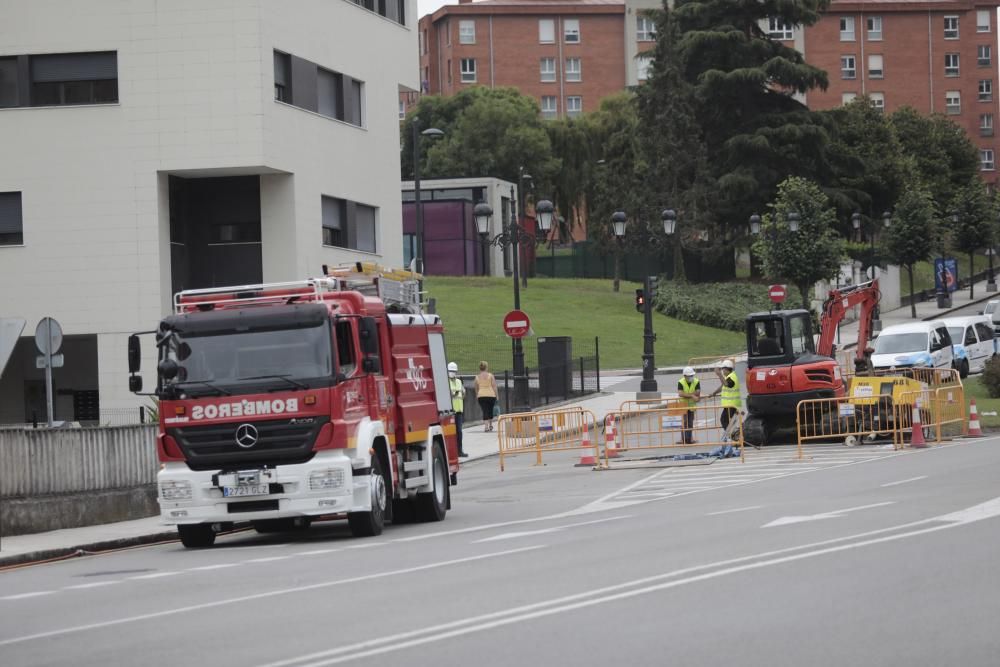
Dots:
(717, 305)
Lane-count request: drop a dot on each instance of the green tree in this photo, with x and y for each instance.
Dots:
(943, 156)
(910, 239)
(573, 147)
(487, 132)
(755, 130)
(973, 218)
(812, 253)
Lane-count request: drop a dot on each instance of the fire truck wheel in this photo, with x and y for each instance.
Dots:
(369, 524)
(196, 536)
(433, 506)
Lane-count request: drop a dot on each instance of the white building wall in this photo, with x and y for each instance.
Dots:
(196, 93)
(634, 8)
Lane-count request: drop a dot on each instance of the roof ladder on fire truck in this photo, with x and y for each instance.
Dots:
(395, 287)
(253, 295)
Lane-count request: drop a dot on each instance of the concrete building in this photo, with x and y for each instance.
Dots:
(153, 146)
(937, 56)
(568, 54)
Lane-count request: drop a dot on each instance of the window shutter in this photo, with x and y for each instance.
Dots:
(10, 213)
(333, 213)
(74, 67)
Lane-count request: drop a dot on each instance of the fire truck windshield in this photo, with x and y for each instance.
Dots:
(239, 361)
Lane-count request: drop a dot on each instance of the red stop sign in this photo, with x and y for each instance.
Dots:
(516, 324)
(777, 293)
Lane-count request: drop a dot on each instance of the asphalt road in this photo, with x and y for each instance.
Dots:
(851, 556)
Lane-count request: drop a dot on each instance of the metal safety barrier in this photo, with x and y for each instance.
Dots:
(671, 424)
(546, 431)
(942, 413)
(842, 417)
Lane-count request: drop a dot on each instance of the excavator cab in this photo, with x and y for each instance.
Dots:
(779, 337)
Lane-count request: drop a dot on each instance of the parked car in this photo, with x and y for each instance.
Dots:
(973, 342)
(918, 344)
(992, 311)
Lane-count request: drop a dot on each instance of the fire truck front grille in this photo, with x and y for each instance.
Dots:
(268, 443)
(819, 375)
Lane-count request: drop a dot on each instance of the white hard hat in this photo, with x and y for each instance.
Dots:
(453, 367)
(727, 363)
(688, 371)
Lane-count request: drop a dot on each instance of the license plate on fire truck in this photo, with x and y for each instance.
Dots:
(249, 490)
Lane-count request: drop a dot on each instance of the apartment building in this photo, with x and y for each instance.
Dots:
(156, 146)
(567, 54)
(938, 56)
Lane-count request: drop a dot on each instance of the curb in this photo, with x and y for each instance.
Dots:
(60, 553)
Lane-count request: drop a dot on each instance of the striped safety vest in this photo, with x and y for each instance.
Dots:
(731, 395)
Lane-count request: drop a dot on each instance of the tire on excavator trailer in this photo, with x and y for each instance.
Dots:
(755, 431)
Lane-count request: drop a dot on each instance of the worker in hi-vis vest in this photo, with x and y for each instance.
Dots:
(731, 402)
(689, 391)
(457, 388)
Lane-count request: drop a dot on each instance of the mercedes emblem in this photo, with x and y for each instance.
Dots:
(246, 435)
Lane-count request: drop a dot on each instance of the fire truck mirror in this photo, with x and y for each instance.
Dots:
(371, 366)
(168, 369)
(135, 383)
(369, 336)
(134, 354)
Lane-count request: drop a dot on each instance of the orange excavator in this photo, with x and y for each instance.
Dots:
(784, 366)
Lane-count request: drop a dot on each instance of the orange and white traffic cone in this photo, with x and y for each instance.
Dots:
(610, 434)
(917, 438)
(975, 431)
(587, 458)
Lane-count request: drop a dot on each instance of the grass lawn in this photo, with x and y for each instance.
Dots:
(473, 308)
(975, 389)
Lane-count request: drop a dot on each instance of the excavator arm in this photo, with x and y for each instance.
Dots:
(838, 302)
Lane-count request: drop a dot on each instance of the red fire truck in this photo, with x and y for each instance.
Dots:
(284, 403)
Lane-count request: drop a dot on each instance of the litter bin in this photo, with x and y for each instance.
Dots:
(555, 366)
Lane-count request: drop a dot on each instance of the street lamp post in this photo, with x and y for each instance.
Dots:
(418, 252)
(522, 176)
(512, 236)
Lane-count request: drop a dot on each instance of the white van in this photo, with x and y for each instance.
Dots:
(973, 342)
(992, 311)
(918, 344)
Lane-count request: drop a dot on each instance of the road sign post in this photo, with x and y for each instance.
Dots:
(48, 340)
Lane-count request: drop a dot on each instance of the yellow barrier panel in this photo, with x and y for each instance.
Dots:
(545, 431)
(845, 416)
(941, 409)
(671, 425)
(704, 362)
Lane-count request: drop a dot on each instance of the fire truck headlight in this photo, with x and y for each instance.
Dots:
(324, 480)
(175, 490)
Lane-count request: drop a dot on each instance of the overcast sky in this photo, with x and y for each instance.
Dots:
(425, 7)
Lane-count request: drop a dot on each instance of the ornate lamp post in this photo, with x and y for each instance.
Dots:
(418, 252)
(512, 236)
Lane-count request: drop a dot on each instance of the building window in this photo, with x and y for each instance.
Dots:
(875, 70)
(643, 66)
(878, 101)
(951, 27)
(447, 32)
(449, 71)
(983, 20)
(573, 69)
(645, 29)
(848, 67)
(74, 78)
(546, 31)
(282, 77)
(549, 107)
(951, 64)
(548, 69)
(467, 32)
(986, 159)
(874, 26)
(986, 125)
(8, 82)
(402, 110)
(953, 102)
(364, 228)
(11, 222)
(574, 106)
(778, 29)
(571, 31)
(468, 70)
(334, 212)
(349, 224)
(984, 55)
(847, 98)
(847, 28)
(986, 90)
(329, 87)
(394, 10)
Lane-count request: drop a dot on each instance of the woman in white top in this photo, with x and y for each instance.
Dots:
(486, 393)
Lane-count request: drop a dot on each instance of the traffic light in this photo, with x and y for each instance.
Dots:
(640, 300)
(651, 283)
